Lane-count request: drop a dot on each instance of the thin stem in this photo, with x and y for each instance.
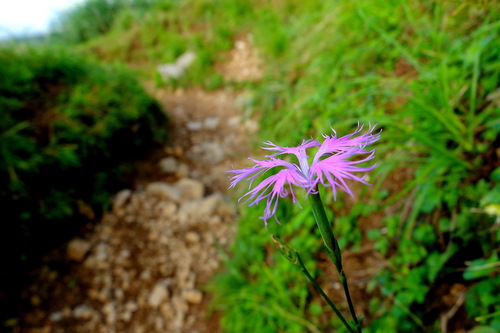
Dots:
(343, 279)
(325, 297)
(332, 248)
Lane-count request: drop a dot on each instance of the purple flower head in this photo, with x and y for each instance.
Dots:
(330, 167)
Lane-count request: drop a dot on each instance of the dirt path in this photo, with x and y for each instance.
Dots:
(144, 266)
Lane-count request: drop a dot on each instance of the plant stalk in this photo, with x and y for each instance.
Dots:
(332, 248)
(325, 297)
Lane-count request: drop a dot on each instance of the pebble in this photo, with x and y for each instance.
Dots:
(83, 311)
(121, 198)
(211, 123)
(192, 237)
(168, 165)
(193, 296)
(56, 316)
(189, 189)
(164, 190)
(77, 249)
(158, 295)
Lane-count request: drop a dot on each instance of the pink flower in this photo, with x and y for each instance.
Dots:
(330, 167)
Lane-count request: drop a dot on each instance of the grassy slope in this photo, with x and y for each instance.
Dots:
(426, 71)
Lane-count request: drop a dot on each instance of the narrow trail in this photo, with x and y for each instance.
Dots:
(144, 266)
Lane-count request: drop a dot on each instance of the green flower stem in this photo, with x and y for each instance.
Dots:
(332, 248)
(325, 297)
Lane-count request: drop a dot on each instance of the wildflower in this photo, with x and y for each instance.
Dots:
(330, 167)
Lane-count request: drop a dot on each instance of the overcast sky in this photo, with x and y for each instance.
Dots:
(29, 16)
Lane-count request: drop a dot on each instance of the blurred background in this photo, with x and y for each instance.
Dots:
(119, 118)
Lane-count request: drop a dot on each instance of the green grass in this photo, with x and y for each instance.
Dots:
(426, 71)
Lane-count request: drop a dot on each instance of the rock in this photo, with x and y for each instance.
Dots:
(77, 249)
(194, 125)
(201, 208)
(170, 71)
(56, 316)
(168, 165)
(101, 253)
(177, 69)
(168, 208)
(189, 189)
(186, 59)
(211, 123)
(121, 198)
(182, 171)
(129, 309)
(158, 295)
(83, 311)
(193, 296)
(234, 121)
(192, 237)
(164, 190)
(109, 310)
(167, 311)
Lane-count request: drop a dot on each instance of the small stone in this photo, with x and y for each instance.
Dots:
(194, 125)
(56, 316)
(192, 237)
(158, 295)
(234, 121)
(131, 306)
(110, 312)
(167, 311)
(189, 189)
(201, 208)
(78, 249)
(168, 208)
(182, 171)
(121, 198)
(164, 190)
(168, 165)
(193, 296)
(83, 311)
(211, 123)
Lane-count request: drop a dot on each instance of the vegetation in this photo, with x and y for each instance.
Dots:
(427, 71)
(68, 127)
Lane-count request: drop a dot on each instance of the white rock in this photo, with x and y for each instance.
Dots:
(189, 189)
(83, 311)
(170, 71)
(186, 59)
(164, 190)
(182, 171)
(194, 125)
(234, 121)
(201, 208)
(56, 316)
(101, 252)
(121, 198)
(211, 123)
(168, 165)
(158, 295)
(78, 249)
(168, 208)
(131, 306)
(110, 312)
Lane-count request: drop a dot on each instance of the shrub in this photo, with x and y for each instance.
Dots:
(66, 127)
